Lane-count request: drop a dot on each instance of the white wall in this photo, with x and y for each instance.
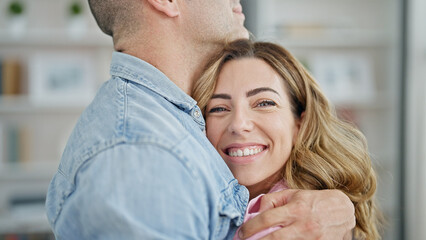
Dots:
(416, 122)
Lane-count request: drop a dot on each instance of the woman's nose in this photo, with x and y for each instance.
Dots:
(240, 122)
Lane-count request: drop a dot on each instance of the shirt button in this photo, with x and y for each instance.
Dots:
(197, 114)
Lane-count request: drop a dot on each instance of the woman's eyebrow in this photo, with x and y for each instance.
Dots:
(259, 90)
(221, 95)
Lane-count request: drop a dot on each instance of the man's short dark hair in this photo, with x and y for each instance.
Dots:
(115, 15)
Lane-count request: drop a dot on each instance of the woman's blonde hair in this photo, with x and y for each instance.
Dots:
(328, 153)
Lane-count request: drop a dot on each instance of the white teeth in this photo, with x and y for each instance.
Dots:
(239, 153)
(244, 152)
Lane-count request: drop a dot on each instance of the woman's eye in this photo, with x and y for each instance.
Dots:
(217, 109)
(266, 103)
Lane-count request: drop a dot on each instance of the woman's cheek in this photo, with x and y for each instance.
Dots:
(212, 131)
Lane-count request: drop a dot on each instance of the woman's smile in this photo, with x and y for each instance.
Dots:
(244, 153)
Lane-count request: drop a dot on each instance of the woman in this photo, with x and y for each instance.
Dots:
(273, 126)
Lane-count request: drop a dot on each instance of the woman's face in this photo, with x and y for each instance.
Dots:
(250, 122)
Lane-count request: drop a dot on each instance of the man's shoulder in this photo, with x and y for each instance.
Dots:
(119, 116)
(132, 113)
(150, 114)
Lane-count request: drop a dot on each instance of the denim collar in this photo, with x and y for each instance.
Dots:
(141, 72)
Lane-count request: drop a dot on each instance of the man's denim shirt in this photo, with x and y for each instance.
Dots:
(138, 166)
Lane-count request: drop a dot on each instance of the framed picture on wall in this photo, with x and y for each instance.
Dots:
(61, 78)
(345, 78)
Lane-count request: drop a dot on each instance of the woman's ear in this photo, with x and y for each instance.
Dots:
(298, 123)
(168, 7)
(302, 116)
(299, 120)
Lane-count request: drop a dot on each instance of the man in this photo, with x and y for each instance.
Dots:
(138, 166)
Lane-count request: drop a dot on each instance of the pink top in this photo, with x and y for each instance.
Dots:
(253, 210)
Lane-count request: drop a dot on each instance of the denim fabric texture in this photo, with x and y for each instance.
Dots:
(138, 166)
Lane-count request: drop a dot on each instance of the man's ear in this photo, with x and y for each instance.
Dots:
(168, 7)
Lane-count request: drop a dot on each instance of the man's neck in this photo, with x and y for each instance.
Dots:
(181, 63)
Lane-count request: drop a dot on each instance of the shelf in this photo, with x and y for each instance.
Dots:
(30, 171)
(379, 101)
(330, 43)
(23, 104)
(331, 38)
(380, 105)
(55, 37)
(25, 220)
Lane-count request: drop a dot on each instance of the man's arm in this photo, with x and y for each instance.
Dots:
(304, 214)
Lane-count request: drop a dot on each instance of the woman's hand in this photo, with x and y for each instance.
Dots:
(304, 214)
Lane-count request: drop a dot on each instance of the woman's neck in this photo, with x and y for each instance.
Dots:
(265, 185)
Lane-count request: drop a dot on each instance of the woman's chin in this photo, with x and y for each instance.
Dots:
(247, 181)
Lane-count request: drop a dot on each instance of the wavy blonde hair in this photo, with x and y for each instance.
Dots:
(328, 153)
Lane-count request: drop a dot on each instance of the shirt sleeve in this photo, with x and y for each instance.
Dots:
(136, 192)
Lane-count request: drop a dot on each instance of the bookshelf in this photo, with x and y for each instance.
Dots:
(327, 36)
(311, 29)
(54, 63)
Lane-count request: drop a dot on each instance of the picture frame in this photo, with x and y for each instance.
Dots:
(345, 78)
(61, 78)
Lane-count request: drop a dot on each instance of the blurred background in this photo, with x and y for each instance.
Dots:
(369, 56)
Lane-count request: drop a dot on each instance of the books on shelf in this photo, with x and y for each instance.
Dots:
(15, 144)
(50, 78)
(10, 76)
